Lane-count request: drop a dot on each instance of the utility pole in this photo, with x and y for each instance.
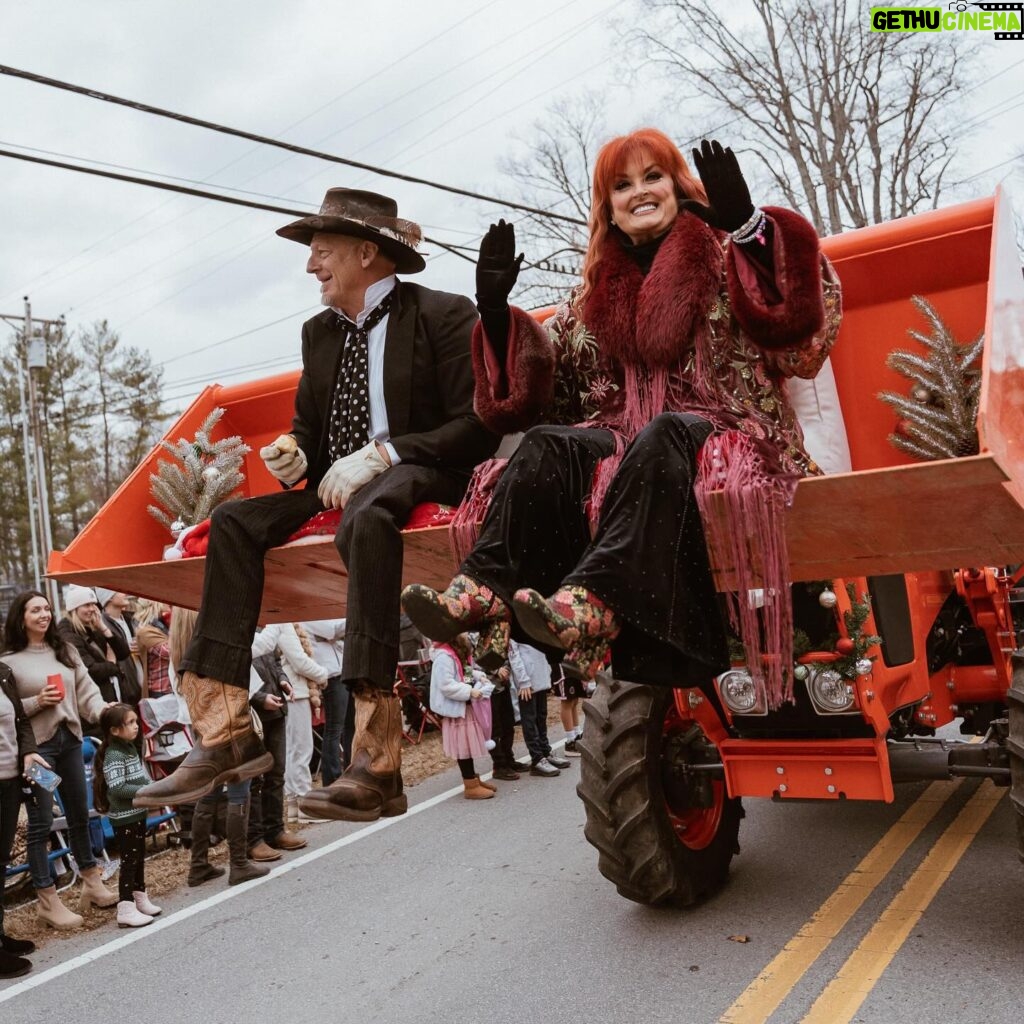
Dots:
(35, 463)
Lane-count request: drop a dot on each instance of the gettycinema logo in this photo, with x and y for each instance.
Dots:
(1003, 20)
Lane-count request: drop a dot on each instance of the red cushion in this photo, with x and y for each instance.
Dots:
(325, 524)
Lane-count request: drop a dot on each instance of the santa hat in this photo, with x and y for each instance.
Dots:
(76, 596)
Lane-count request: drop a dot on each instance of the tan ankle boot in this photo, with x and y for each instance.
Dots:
(371, 787)
(487, 785)
(52, 912)
(94, 892)
(226, 750)
(474, 789)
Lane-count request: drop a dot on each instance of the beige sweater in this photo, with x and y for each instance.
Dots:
(82, 698)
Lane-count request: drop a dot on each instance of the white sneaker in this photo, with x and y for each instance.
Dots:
(291, 808)
(129, 916)
(309, 819)
(145, 905)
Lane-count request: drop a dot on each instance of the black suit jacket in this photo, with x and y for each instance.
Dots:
(428, 383)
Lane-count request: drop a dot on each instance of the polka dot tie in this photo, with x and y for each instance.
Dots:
(349, 428)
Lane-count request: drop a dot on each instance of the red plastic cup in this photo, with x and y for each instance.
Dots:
(56, 680)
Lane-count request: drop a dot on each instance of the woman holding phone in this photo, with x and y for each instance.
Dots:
(56, 692)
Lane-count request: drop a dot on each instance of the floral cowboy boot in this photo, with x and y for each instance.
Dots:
(574, 619)
(465, 606)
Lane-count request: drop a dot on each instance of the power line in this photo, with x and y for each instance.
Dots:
(185, 190)
(265, 140)
(377, 74)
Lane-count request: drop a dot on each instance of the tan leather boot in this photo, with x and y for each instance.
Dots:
(371, 786)
(52, 912)
(226, 750)
(474, 789)
(94, 892)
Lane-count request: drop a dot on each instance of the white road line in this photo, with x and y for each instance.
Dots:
(163, 923)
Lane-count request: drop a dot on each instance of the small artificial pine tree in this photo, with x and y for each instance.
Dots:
(205, 474)
(938, 419)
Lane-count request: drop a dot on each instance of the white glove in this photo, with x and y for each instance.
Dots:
(350, 475)
(284, 459)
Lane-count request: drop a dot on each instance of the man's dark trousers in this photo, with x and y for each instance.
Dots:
(369, 541)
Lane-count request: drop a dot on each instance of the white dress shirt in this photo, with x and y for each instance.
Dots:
(379, 429)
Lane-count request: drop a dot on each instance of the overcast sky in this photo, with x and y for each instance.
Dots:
(177, 274)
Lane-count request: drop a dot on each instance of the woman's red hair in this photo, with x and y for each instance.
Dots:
(650, 146)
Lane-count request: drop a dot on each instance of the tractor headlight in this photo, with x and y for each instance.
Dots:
(830, 692)
(741, 694)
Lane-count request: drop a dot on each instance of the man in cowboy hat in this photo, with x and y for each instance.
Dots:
(383, 421)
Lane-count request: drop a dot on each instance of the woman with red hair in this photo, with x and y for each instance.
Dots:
(657, 382)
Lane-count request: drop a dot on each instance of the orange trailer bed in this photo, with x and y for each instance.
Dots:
(889, 515)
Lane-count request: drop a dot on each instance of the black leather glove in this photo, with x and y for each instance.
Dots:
(729, 206)
(498, 267)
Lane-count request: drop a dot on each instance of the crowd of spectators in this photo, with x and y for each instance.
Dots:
(106, 673)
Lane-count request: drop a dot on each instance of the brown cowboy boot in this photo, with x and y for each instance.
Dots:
(371, 787)
(226, 750)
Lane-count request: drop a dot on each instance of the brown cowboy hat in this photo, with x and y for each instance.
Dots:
(350, 211)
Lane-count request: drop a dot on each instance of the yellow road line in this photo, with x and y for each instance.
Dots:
(858, 976)
(764, 994)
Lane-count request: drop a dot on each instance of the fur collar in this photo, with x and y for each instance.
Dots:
(651, 321)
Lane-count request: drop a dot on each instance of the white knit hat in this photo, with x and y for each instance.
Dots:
(103, 595)
(76, 596)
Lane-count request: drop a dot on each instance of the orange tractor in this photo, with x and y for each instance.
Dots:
(903, 588)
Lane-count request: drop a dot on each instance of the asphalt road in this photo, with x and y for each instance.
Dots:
(494, 912)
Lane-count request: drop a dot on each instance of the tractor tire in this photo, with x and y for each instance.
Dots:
(661, 842)
(1015, 744)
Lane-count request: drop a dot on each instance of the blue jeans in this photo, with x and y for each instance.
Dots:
(63, 753)
(336, 700)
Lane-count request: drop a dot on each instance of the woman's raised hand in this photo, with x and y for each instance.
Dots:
(729, 206)
(498, 267)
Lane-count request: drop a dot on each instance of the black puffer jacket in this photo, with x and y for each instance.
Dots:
(93, 647)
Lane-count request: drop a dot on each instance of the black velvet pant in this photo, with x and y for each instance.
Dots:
(369, 541)
(648, 559)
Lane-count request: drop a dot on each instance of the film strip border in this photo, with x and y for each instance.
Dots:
(1018, 7)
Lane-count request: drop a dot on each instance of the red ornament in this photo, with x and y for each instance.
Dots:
(844, 646)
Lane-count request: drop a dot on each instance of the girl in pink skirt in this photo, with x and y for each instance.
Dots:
(455, 700)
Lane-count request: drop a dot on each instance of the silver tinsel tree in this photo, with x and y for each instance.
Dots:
(938, 418)
(204, 474)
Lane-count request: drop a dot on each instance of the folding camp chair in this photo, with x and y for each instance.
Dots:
(418, 716)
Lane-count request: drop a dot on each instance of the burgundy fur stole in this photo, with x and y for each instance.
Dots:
(651, 321)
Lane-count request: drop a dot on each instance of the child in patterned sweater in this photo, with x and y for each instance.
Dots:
(120, 774)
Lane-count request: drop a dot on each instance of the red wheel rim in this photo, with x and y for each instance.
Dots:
(695, 827)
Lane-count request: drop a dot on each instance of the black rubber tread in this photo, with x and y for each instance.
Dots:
(1015, 744)
(627, 819)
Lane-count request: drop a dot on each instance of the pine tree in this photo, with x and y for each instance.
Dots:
(205, 474)
(938, 419)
